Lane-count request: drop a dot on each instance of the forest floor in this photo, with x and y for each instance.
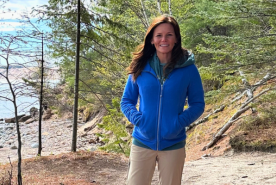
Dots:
(101, 168)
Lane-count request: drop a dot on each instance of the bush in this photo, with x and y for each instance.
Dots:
(113, 122)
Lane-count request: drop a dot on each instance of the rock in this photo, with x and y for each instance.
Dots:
(83, 135)
(93, 148)
(30, 121)
(1, 146)
(34, 112)
(92, 141)
(14, 147)
(205, 155)
(12, 120)
(45, 133)
(24, 118)
(125, 139)
(8, 127)
(109, 133)
(1, 119)
(58, 133)
(130, 126)
(47, 115)
(34, 145)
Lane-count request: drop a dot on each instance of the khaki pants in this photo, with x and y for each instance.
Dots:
(143, 161)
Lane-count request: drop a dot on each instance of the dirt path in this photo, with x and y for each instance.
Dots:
(238, 169)
(110, 169)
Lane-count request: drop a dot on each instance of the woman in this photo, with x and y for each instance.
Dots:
(162, 74)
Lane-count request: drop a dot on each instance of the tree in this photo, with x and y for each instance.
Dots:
(76, 100)
(14, 87)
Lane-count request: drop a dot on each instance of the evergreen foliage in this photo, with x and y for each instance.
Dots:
(226, 36)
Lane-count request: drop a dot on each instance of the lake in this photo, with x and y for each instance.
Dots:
(24, 102)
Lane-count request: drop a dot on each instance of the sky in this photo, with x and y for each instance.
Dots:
(11, 12)
(11, 16)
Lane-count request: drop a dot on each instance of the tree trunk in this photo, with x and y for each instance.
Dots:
(75, 123)
(170, 7)
(19, 176)
(40, 104)
(159, 7)
(144, 13)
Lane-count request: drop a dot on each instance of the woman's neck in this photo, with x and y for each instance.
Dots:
(164, 58)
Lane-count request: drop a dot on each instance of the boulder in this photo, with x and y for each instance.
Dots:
(48, 113)
(34, 112)
(30, 120)
(14, 147)
(24, 118)
(12, 120)
(34, 145)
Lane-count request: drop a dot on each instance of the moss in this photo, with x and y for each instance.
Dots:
(239, 143)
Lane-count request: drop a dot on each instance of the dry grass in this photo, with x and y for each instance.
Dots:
(71, 169)
(262, 137)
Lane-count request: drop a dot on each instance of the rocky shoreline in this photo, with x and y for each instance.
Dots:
(56, 138)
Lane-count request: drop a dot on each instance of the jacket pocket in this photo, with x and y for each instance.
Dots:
(173, 130)
(144, 129)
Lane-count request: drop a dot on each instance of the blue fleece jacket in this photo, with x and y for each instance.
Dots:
(161, 120)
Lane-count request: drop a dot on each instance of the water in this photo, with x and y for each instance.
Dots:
(24, 102)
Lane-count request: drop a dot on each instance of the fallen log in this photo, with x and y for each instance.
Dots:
(234, 118)
(205, 118)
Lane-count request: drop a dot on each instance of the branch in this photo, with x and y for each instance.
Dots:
(95, 95)
(225, 128)
(238, 97)
(257, 96)
(205, 118)
(6, 98)
(103, 45)
(234, 118)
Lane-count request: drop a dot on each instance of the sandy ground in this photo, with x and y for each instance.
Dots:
(245, 168)
(232, 169)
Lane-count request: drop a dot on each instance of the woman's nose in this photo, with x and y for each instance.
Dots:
(164, 38)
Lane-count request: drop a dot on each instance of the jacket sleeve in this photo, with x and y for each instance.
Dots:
(195, 96)
(129, 101)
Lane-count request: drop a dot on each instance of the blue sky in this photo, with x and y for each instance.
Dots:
(11, 17)
(12, 11)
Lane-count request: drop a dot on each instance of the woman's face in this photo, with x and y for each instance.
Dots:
(164, 39)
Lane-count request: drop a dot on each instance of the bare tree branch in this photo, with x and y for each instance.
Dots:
(229, 123)
(205, 118)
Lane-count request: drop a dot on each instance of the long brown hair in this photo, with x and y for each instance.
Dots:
(145, 50)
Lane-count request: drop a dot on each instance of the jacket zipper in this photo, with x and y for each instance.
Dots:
(159, 113)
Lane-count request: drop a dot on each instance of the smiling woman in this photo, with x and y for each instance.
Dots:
(162, 75)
